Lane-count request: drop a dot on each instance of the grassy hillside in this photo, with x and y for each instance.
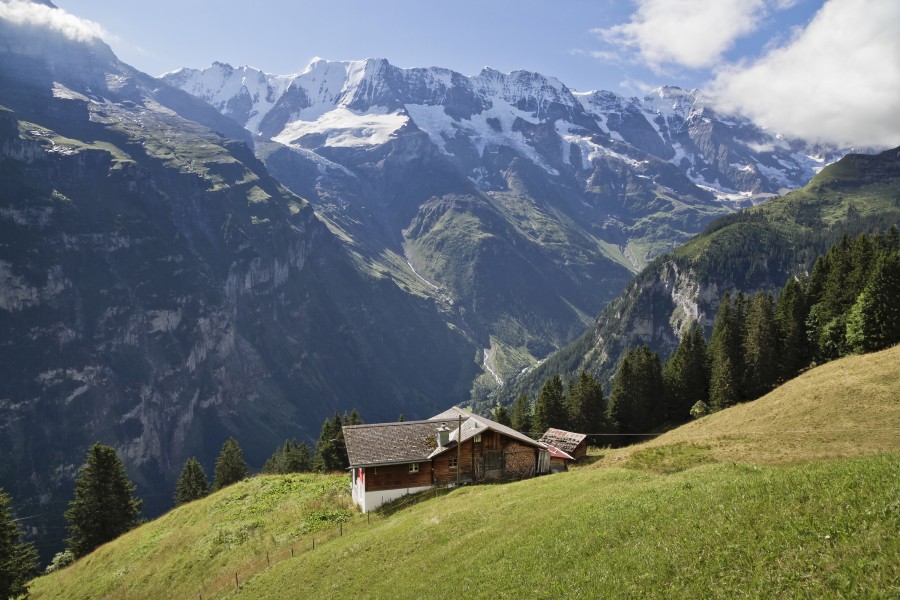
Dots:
(844, 408)
(192, 548)
(691, 514)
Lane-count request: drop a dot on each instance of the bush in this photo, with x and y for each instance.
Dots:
(61, 560)
(699, 409)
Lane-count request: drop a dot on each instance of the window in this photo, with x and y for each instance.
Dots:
(414, 468)
(477, 438)
(453, 463)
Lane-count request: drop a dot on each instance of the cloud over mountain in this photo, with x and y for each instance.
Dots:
(25, 13)
(837, 80)
(691, 33)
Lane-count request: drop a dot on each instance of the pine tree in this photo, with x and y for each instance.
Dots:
(192, 484)
(725, 354)
(791, 312)
(827, 325)
(296, 457)
(722, 382)
(331, 450)
(521, 414)
(586, 405)
(230, 466)
(550, 408)
(686, 375)
(501, 415)
(874, 320)
(18, 559)
(289, 458)
(637, 400)
(354, 418)
(761, 347)
(104, 507)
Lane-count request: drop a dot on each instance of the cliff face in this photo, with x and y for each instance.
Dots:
(160, 292)
(755, 250)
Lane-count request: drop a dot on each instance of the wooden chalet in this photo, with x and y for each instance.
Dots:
(390, 460)
(574, 444)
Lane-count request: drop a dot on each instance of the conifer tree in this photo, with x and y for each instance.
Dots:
(297, 457)
(586, 404)
(501, 415)
(637, 399)
(291, 457)
(103, 507)
(686, 375)
(874, 320)
(791, 312)
(827, 325)
(192, 484)
(331, 450)
(722, 382)
(725, 354)
(521, 414)
(18, 559)
(550, 407)
(761, 347)
(230, 466)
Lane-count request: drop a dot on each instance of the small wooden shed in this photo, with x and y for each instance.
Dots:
(574, 444)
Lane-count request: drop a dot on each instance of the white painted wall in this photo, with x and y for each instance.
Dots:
(367, 501)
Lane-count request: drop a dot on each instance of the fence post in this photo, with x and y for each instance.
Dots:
(236, 580)
(342, 528)
(268, 564)
(314, 543)
(292, 554)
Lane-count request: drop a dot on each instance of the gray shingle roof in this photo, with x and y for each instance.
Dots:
(564, 440)
(474, 424)
(390, 443)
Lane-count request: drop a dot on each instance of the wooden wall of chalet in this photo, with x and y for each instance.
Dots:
(391, 477)
(443, 474)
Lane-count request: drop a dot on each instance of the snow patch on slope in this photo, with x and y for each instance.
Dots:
(345, 128)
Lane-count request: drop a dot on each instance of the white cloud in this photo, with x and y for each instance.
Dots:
(692, 33)
(19, 12)
(837, 80)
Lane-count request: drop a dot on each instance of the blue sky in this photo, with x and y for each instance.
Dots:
(826, 70)
(280, 36)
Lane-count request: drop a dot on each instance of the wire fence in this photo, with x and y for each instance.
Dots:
(234, 578)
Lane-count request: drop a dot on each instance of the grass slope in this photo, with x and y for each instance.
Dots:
(690, 516)
(847, 407)
(193, 547)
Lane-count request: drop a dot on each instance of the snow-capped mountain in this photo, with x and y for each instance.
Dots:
(364, 103)
(519, 205)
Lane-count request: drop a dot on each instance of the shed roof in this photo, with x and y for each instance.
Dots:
(564, 440)
(557, 453)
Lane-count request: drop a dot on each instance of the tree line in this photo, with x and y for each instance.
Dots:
(579, 405)
(848, 304)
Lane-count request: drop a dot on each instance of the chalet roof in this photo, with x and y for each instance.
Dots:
(474, 424)
(564, 440)
(390, 443)
(414, 441)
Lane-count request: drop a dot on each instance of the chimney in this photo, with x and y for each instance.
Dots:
(443, 435)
